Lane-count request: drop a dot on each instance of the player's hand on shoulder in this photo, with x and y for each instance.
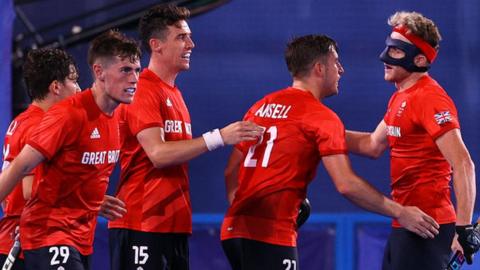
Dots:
(112, 208)
(416, 221)
(241, 131)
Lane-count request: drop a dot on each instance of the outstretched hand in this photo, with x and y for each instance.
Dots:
(112, 208)
(416, 221)
(241, 131)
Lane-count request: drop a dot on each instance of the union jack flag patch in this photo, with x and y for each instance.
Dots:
(443, 117)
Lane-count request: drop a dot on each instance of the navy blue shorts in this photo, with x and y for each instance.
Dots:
(18, 265)
(131, 249)
(246, 254)
(56, 258)
(406, 250)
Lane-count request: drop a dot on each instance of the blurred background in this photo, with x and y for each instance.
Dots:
(238, 59)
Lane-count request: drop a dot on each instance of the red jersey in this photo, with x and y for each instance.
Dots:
(157, 200)
(274, 175)
(18, 132)
(420, 174)
(81, 145)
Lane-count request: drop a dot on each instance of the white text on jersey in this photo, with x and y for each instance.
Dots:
(11, 128)
(394, 131)
(95, 158)
(275, 111)
(175, 126)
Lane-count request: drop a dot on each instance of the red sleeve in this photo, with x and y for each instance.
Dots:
(59, 127)
(144, 112)
(328, 131)
(437, 114)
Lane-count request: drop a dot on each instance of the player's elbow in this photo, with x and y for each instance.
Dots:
(345, 189)
(159, 163)
(375, 150)
(375, 153)
(158, 158)
(228, 172)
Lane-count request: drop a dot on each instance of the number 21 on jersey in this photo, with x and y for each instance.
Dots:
(250, 161)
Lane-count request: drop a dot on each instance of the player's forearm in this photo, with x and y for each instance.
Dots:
(364, 195)
(11, 176)
(177, 152)
(361, 143)
(231, 173)
(465, 191)
(231, 183)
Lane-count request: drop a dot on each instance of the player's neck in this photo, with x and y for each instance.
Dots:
(166, 74)
(44, 104)
(103, 101)
(307, 86)
(409, 81)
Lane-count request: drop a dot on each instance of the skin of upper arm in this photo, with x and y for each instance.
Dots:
(340, 170)
(150, 139)
(452, 147)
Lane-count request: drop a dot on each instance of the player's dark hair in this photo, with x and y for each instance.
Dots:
(42, 67)
(113, 43)
(303, 52)
(154, 23)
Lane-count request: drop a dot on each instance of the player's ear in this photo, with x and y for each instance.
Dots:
(155, 44)
(317, 69)
(420, 60)
(98, 72)
(54, 87)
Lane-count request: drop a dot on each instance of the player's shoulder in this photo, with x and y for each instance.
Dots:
(73, 107)
(31, 114)
(323, 112)
(429, 88)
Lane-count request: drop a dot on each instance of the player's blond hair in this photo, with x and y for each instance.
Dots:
(418, 24)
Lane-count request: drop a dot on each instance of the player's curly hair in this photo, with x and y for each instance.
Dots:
(42, 67)
(303, 52)
(113, 43)
(419, 25)
(155, 21)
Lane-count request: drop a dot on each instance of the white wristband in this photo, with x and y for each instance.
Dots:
(213, 139)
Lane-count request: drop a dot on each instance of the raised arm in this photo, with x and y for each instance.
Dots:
(364, 195)
(370, 144)
(22, 165)
(167, 153)
(231, 174)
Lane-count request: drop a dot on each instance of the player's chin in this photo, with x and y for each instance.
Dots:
(388, 77)
(185, 66)
(126, 99)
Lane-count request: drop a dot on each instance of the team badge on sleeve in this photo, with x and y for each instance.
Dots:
(443, 117)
